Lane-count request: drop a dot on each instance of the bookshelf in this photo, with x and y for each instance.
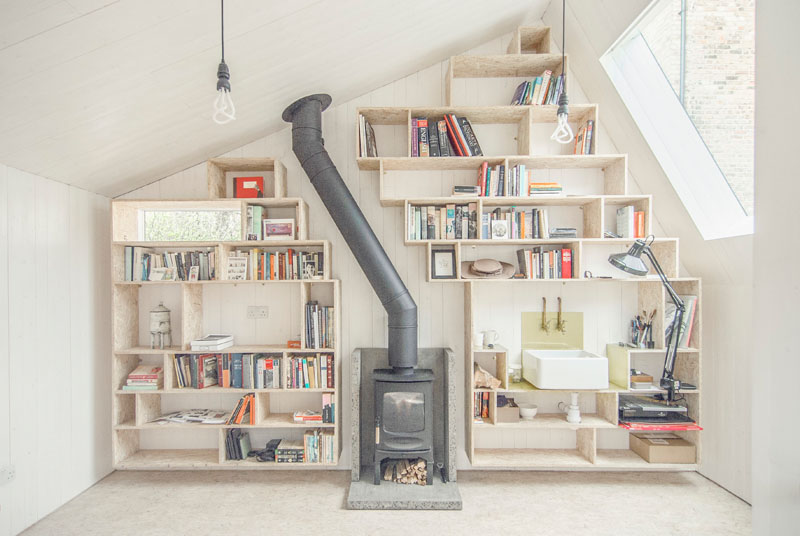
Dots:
(595, 186)
(206, 306)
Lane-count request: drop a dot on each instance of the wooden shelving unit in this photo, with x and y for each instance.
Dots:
(406, 181)
(133, 411)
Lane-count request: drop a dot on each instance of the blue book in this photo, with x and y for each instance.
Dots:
(236, 372)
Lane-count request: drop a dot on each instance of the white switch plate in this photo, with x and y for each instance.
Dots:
(257, 312)
(7, 473)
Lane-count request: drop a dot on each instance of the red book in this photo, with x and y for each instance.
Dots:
(248, 187)
(482, 178)
(453, 135)
(460, 135)
(145, 372)
(566, 264)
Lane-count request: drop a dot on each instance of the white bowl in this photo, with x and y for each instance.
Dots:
(528, 411)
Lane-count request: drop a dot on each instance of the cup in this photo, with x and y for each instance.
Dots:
(489, 338)
(478, 342)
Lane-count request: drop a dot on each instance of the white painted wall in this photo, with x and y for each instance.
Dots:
(607, 306)
(724, 265)
(55, 418)
(776, 469)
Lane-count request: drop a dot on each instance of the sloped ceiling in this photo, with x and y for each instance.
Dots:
(111, 95)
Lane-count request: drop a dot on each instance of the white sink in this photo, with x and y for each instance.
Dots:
(565, 369)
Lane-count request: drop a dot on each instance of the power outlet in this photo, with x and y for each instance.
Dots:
(7, 473)
(257, 312)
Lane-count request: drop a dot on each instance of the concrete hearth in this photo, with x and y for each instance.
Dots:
(363, 494)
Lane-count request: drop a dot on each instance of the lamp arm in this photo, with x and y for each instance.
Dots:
(667, 380)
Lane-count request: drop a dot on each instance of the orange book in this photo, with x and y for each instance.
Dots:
(252, 409)
(243, 410)
(638, 224)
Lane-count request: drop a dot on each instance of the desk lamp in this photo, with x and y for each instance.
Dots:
(632, 263)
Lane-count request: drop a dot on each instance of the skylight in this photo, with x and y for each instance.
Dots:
(690, 90)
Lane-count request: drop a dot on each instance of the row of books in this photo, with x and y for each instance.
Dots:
(367, 144)
(144, 264)
(449, 222)
(245, 410)
(630, 222)
(317, 446)
(319, 325)
(584, 139)
(310, 372)
(544, 89)
(537, 263)
(238, 371)
(262, 265)
(521, 224)
(450, 136)
(517, 182)
(480, 405)
(144, 378)
(259, 227)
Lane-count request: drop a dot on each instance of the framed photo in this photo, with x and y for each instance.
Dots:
(443, 264)
(278, 229)
(194, 273)
(499, 230)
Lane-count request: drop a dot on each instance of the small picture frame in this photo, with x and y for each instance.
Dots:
(500, 230)
(194, 273)
(443, 264)
(278, 229)
(237, 268)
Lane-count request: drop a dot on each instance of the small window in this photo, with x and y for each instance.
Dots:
(192, 225)
(686, 72)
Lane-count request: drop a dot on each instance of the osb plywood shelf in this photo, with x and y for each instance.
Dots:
(133, 412)
(595, 186)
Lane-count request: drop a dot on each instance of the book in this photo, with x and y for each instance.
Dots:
(466, 190)
(212, 342)
(414, 137)
(433, 138)
(422, 126)
(518, 93)
(248, 187)
(469, 137)
(625, 223)
(371, 142)
(146, 372)
(444, 142)
(690, 305)
(638, 224)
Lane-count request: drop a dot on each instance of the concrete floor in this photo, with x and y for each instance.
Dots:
(502, 503)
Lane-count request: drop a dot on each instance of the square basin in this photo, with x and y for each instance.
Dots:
(565, 369)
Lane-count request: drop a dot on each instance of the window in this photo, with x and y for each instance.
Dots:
(685, 70)
(192, 225)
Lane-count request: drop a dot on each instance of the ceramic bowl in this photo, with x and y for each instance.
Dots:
(528, 411)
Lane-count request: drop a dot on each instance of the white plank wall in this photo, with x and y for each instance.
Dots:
(55, 357)
(441, 320)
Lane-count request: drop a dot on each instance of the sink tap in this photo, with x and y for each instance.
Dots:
(561, 324)
(545, 321)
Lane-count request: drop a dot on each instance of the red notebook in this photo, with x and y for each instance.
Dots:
(248, 187)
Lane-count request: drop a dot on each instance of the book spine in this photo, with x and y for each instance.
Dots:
(566, 263)
(414, 137)
(589, 138)
(422, 127)
(453, 136)
(450, 222)
(433, 138)
(444, 144)
(469, 136)
(462, 140)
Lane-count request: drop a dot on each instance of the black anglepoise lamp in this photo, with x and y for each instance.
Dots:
(632, 263)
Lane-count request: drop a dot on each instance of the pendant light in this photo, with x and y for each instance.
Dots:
(224, 110)
(563, 132)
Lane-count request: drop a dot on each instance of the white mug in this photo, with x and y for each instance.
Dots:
(489, 338)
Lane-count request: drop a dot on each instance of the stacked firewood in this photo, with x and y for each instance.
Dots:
(406, 471)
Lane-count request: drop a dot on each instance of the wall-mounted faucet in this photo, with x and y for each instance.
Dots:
(545, 322)
(561, 324)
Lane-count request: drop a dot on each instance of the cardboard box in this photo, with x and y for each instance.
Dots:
(662, 447)
(508, 413)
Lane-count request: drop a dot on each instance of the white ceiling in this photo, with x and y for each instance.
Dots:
(110, 95)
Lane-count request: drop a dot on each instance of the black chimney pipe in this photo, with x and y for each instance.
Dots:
(305, 115)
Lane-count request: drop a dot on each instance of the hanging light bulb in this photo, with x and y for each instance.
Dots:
(224, 110)
(563, 132)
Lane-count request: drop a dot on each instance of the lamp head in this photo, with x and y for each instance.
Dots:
(631, 261)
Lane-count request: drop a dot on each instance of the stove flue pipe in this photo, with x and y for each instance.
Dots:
(305, 115)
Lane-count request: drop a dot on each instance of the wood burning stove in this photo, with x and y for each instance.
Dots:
(403, 417)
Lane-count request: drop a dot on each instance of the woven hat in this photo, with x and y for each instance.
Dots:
(486, 269)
